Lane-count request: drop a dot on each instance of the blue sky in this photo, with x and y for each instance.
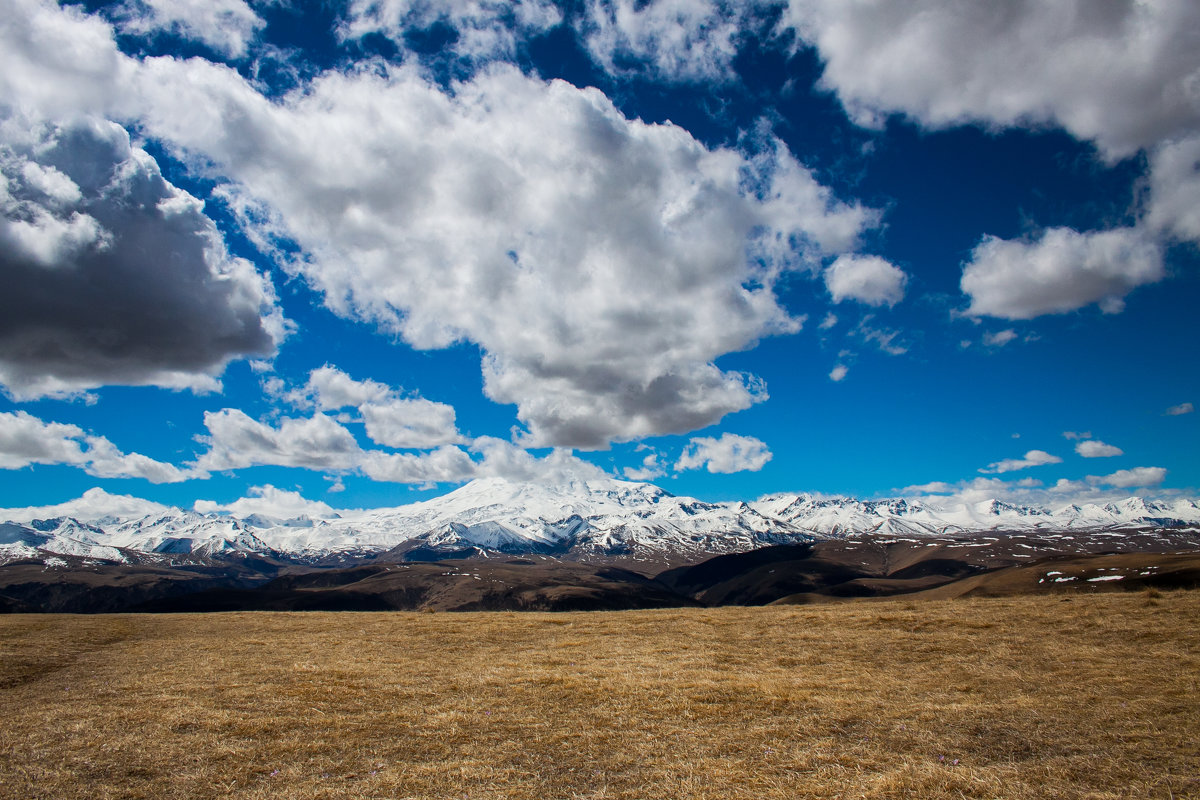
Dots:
(366, 251)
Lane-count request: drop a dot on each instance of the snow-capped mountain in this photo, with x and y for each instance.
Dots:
(595, 517)
(847, 517)
(581, 520)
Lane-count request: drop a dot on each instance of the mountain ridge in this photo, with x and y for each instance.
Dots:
(580, 520)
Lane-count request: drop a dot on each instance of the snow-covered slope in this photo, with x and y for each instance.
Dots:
(846, 516)
(581, 519)
(596, 517)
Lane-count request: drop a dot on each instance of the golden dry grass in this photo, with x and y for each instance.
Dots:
(1030, 697)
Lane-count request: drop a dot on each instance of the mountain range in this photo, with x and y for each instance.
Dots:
(586, 521)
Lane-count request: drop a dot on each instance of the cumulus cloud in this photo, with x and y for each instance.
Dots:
(1077, 435)
(112, 274)
(730, 453)
(93, 505)
(600, 301)
(484, 29)
(503, 459)
(838, 373)
(1182, 408)
(446, 218)
(945, 63)
(1131, 478)
(1120, 74)
(443, 465)
(58, 61)
(867, 279)
(391, 419)
(104, 460)
(1033, 458)
(650, 469)
(328, 388)
(1026, 492)
(268, 501)
(27, 440)
(410, 423)
(1174, 206)
(235, 440)
(1063, 270)
(227, 26)
(1094, 448)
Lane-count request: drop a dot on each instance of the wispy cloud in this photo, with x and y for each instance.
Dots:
(1033, 458)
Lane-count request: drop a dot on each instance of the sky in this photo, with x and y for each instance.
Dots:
(355, 254)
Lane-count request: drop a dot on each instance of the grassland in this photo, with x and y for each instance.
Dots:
(1026, 697)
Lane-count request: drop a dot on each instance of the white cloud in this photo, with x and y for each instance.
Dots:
(443, 465)
(93, 505)
(60, 62)
(227, 26)
(1077, 435)
(730, 453)
(650, 469)
(485, 29)
(1182, 408)
(838, 373)
(1061, 271)
(104, 460)
(999, 338)
(84, 215)
(1131, 478)
(1122, 74)
(1033, 458)
(934, 487)
(681, 40)
(1094, 448)
(330, 389)
(1174, 206)
(391, 419)
(235, 441)
(867, 279)
(1031, 492)
(502, 459)
(411, 423)
(27, 440)
(268, 501)
(886, 339)
(829, 321)
(448, 218)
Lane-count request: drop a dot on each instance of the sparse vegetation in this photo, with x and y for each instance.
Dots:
(1092, 696)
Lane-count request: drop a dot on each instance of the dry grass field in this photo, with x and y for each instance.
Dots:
(1026, 697)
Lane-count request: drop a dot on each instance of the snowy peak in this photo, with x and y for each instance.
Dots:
(841, 516)
(582, 519)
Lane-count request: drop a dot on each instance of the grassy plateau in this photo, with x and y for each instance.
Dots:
(1092, 696)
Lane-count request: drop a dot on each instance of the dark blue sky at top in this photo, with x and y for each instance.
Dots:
(940, 411)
